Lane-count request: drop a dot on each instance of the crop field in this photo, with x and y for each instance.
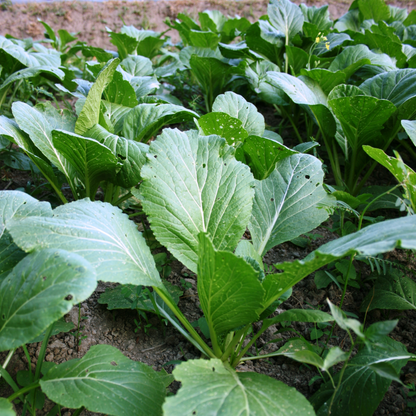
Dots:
(210, 215)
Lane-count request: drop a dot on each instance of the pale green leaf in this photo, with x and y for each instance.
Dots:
(193, 184)
(145, 120)
(236, 106)
(289, 202)
(374, 239)
(15, 204)
(223, 125)
(410, 128)
(404, 174)
(374, 9)
(131, 154)
(90, 112)
(54, 73)
(137, 66)
(93, 161)
(106, 381)
(230, 393)
(246, 250)
(286, 17)
(362, 118)
(10, 130)
(36, 125)
(262, 154)
(11, 52)
(100, 233)
(335, 355)
(42, 288)
(397, 87)
(6, 408)
(353, 57)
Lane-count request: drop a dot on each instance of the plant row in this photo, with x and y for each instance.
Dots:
(100, 134)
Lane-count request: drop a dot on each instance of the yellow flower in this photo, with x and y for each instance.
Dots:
(317, 40)
(327, 45)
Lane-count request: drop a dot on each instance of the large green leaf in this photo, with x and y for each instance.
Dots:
(137, 66)
(262, 154)
(125, 44)
(317, 16)
(334, 39)
(193, 184)
(391, 291)
(106, 381)
(10, 130)
(228, 288)
(186, 54)
(11, 52)
(384, 42)
(19, 205)
(211, 74)
(294, 87)
(261, 37)
(204, 39)
(403, 173)
(93, 161)
(145, 120)
(36, 125)
(325, 78)
(226, 392)
(54, 73)
(315, 100)
(286, 17)
(223, 125)
(15, 204)
(90, 112)
(212, 20)
(353, 57)
(42, 288)
(374, 9)
(150, 46)
(372, 240)
(131, 154)
(6, 408)
(233, 27)
(238, 50)
(397, 87)
(58, 119)
(236, 106)
(361, 388)
(410, 128)
(349, 21)
(289, 202)
(112, 116)
(361, 117)
(297, 59)
(120, 91)
(100, 233)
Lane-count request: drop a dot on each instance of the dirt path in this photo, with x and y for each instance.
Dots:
(90, 19)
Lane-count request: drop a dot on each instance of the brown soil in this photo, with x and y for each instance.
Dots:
(90, 19)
